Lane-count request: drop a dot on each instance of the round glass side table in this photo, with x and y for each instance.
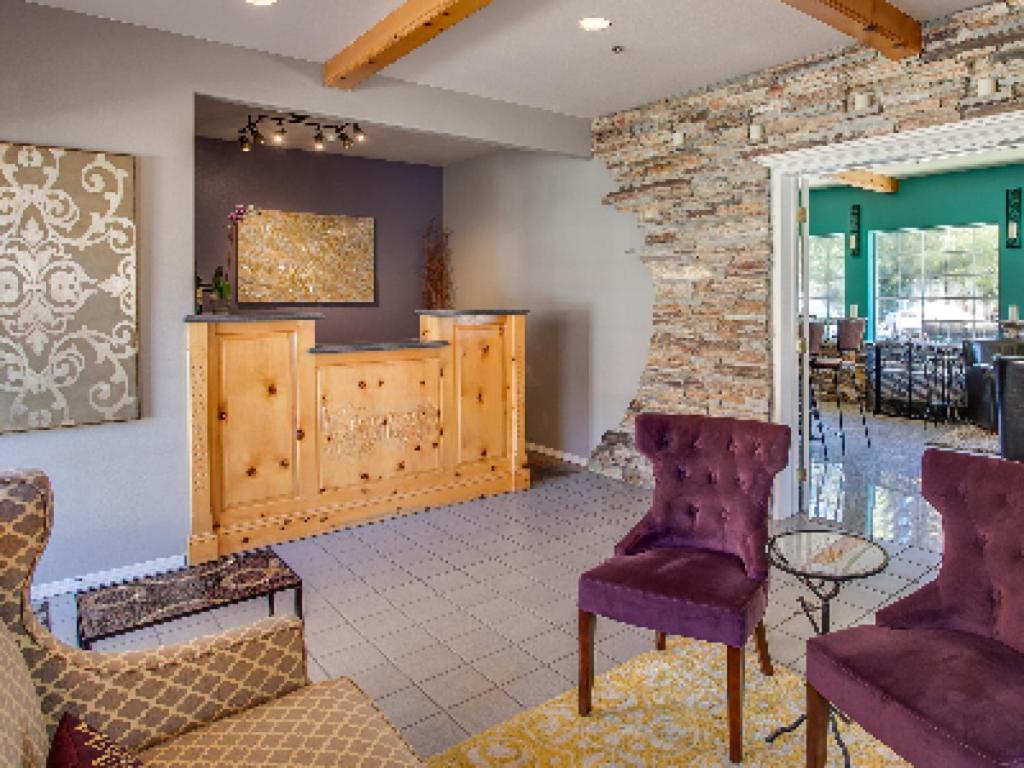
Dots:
(824, 561)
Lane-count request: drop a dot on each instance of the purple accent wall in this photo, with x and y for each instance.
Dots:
(401, 197)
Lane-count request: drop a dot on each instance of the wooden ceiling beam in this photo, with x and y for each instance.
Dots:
(873, 182)
(402, 31)
(877, 23)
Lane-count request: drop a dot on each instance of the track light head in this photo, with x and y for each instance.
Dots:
(250, 137)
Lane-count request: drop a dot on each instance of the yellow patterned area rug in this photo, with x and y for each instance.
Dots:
(662, 709)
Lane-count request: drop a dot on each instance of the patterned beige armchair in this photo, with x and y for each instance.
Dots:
(238, 698)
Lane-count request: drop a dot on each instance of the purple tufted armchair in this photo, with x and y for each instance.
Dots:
(695, 565)
(940, 677)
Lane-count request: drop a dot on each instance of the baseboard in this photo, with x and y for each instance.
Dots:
(103, 578)
(571, 458)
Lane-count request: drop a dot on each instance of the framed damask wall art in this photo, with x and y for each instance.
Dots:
(68, 314)
(305, 258)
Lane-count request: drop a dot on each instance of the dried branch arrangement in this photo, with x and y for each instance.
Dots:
(437, 278)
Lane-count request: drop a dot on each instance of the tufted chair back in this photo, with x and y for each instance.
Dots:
(850, 336)
(712, 484)
(815, 338)
(981, 581)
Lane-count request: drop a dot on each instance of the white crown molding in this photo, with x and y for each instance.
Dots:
(982, 134)
(105, 578)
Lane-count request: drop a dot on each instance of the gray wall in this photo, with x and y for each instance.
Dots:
(529, 230)
(69, 80)
(401, 198)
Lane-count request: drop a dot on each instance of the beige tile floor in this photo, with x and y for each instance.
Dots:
(458, 617)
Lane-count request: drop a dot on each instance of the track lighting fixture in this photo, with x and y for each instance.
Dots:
(250, 137)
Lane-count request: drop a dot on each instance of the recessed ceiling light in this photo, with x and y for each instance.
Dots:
(594, 24)
(261, 2)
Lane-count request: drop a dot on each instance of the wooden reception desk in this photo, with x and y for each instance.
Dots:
(290, 439)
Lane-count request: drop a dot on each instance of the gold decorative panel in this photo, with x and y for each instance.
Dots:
(305, 258)
(379, 421)
(68, 317)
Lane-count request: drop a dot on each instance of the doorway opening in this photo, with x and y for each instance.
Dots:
(919, 275)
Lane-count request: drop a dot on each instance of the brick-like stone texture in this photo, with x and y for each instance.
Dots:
(705, 208)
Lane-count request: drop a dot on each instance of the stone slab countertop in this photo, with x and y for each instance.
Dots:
(457, 312)
(253, 317)
(376, 346)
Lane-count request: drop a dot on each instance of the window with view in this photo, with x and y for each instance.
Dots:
(939, 284)
(827, 267)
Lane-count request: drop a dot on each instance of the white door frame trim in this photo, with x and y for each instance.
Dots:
(966, 137)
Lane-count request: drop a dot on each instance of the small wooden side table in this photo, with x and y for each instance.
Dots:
(114, 610)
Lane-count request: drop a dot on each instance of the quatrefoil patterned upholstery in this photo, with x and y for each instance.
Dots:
(940, 678)
(695, 565)
(320, 726)
(23, 741)
(145, 698)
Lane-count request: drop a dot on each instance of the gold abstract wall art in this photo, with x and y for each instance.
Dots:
(68, 315)
(305, 258)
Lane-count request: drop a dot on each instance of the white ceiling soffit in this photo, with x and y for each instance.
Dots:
(217, 119)
(528, 52)
(971, 161)
(973, 143)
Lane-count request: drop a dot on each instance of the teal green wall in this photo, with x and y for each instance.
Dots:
(948, 199)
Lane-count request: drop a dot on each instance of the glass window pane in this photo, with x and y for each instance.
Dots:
(887, 310)
(826, 267)
(910, 242)
(942, 282)
(819, 308)
(986, 239)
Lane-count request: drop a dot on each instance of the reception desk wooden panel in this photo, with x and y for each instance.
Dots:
(289, 439)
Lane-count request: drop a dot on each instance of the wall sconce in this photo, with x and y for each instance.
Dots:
(986, 86)
(862, 101)
(853, 238)
(1013, 217)
(756, 133)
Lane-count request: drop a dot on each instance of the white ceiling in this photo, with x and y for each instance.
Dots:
(217, 119)
(527, 52)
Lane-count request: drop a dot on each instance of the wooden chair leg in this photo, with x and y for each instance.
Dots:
(817, 728)
(762, 651)
(734, 696)
(586, 682)
(660, 640)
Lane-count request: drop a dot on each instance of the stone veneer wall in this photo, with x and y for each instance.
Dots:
(705, 207)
